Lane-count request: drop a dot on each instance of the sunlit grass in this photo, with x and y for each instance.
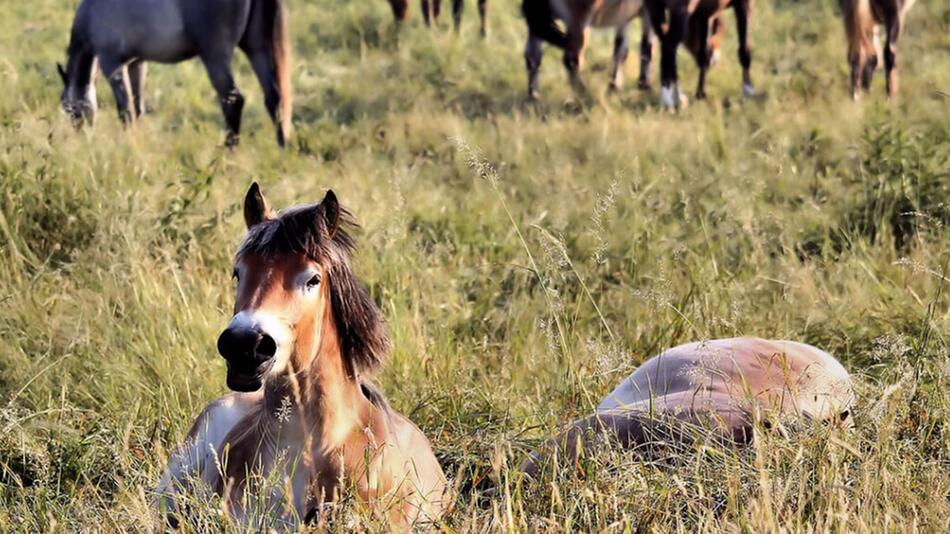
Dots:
(603, 235)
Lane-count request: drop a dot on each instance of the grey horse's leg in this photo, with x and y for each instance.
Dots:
(137, 74)
(263, 64)
(621, 49)
(533, 53)
(219, 71)
(118, 76)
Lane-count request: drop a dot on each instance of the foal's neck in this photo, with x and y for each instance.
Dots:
(321, 390)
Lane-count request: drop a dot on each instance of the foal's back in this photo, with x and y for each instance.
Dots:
(746, 373)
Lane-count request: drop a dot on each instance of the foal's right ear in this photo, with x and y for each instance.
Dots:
(62, 71)
(256, 209)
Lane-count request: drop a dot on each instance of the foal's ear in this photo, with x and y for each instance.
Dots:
(256, 209)
(330, 211)
(62, 71)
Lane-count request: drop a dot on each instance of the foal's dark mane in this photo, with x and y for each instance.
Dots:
(304, 230)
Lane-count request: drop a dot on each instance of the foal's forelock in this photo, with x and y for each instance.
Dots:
(360, 327)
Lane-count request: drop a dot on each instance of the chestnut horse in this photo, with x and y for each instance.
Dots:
(721, 387)
(304, 339)
(861, 18)
(699, 23)
(432, 9)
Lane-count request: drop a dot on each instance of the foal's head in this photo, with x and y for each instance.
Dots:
(78, 98)
(297, 296)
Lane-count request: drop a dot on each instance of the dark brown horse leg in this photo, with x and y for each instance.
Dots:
(621, 49)
(482, 13)
(137, 74)
(646, 50)
(698, 43)
(119, 81)
(400, 9)
(263, 65)
(892, 24)
(457, 7)
(232, 103)
(577, 33)
(743, 11)
(533, 53)
(670, 96)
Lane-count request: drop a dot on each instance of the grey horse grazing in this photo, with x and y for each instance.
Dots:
(121, 35)
(721, 386)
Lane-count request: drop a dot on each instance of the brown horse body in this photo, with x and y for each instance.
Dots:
(720, 386)
(305, 425)
(861, 19)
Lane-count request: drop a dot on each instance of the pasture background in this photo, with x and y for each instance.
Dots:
(797, 214)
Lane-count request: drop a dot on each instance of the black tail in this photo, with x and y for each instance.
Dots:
(540, 18)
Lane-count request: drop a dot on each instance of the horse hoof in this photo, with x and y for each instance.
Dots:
(748, 90)
(232, 140)
(613, 88)
(644, 85)
(534, 95)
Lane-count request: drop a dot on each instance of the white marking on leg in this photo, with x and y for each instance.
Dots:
(747, 89)
(666, 97)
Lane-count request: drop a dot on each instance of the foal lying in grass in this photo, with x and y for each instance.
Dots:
(305, 424)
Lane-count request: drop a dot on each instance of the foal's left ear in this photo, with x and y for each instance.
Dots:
(330, 211)
(62, 71)
(256, 209)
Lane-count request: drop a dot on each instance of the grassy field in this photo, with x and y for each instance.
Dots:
(517, 297)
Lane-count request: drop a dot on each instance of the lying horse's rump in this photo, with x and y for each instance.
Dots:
(716, 388)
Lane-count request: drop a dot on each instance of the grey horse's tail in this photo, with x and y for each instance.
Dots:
(280, 42)
(540, 18)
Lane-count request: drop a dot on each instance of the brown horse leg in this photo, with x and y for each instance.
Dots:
(646, 50)
(482, 13)
(621, 49)
(743, 11)
(137, 73)
(577, 33)
(533, 52)
(400, 9)
(892, 23)
(870, 62)
(428, 12)
(457, 7)
(232, 103)
(118, 77)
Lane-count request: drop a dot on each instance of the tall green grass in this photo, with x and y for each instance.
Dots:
(527, 258)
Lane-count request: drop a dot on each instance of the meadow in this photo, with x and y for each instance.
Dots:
(527, 257)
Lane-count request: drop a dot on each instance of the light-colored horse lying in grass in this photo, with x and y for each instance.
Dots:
(306, 424)
(711, 389)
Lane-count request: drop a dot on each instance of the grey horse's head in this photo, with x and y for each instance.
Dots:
(78, 98)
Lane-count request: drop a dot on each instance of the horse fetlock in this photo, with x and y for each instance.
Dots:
(232, 140)
(748, 90)
(672, 98)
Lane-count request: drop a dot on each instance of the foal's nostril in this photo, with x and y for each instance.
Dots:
(266, 346)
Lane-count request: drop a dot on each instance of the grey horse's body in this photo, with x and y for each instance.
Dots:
(124, 34)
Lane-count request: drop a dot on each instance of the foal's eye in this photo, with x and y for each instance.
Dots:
(314, 281)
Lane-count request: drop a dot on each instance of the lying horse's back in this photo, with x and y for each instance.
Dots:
(722, 386)
(774, 375)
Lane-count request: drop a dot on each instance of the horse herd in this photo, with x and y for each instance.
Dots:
(305, 337)
(118, 37)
